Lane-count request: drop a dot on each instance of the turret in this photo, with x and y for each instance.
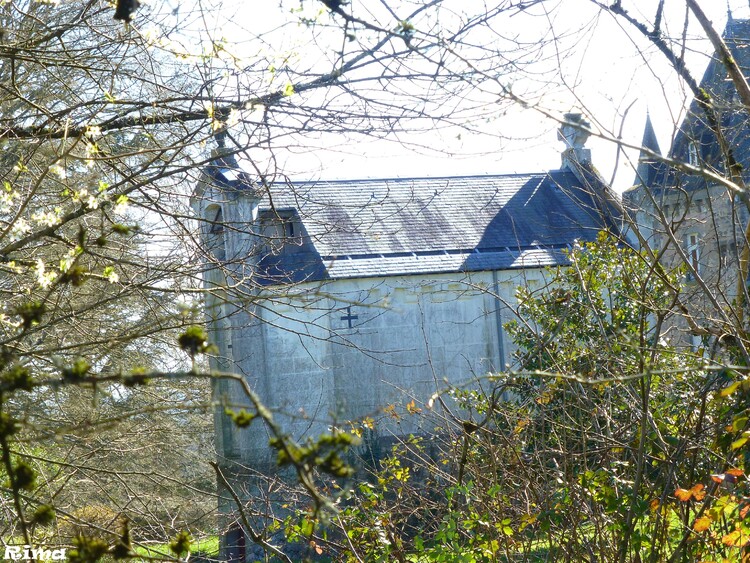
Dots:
(648, 164)
(226, 202)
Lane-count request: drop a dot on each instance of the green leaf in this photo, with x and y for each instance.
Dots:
(730, 389)
(195, 341)
(737, 444)
(17, 377)
(31, 313)
(739, 423)
(241, 418)
(24, 476)
(44, 515)
(87, 550)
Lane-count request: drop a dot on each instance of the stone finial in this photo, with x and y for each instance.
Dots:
(221, 138)
(221, 152)
(574, 133)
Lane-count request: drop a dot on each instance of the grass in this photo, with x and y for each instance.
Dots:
(208, 546)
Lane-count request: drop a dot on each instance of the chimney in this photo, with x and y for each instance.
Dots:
(574, 132)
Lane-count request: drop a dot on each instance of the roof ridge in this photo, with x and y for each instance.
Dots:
(412, 178)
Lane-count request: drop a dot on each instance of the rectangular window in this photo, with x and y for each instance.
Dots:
(216, 225)
(272, 237)
(696, 342)
(693, 154)
(692, 249)
(729, 252)
(724, 253)
(289, 227)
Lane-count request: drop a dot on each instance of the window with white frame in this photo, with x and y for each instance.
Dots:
(693, 154)
(696, 342)
(693, 251)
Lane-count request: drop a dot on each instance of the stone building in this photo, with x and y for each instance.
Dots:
(684, 212)
(337, 299)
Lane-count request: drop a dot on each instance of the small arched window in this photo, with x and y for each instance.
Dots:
(214, 227)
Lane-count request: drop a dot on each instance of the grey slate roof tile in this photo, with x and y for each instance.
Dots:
(402, 226)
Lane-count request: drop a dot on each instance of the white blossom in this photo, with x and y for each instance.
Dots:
(43, 277)
(20, 228)
(6, 201)
(46, 218)
(111, 275)
(58, 171)
(93, 131)
(66, 263)
(121, 205)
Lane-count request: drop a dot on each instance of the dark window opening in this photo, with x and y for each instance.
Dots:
(216, 225)
(235, 546)
(215, 233)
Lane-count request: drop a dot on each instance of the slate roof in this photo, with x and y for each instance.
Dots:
(648, 166)
(226, 174)
(406, 226)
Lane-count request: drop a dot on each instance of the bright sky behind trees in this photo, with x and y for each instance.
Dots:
(596, 66)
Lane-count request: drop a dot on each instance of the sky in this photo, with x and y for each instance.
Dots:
(603, 69)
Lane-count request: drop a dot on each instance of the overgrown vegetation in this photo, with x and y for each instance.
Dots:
(607, 443)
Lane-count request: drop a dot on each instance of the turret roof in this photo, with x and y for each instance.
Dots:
(695, 129)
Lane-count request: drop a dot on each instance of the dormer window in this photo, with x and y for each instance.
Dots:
(693, 154)
(280, 232)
